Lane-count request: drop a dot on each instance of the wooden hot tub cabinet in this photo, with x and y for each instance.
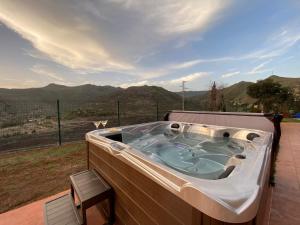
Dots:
(140, 200)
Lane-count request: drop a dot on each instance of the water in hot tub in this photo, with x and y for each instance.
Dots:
(190, 153)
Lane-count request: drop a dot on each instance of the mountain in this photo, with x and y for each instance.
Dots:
(293, 83)
(88, 100)
(147, 93)
(52, 92)
(143, 99)
(192, 93)
(31, 115)
(132, 96)
(238, 91)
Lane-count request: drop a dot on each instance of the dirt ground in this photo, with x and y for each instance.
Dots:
(27, 176)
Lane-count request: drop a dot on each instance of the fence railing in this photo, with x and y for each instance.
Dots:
(27, 125)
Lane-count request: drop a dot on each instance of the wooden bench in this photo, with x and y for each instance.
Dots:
(90, 189)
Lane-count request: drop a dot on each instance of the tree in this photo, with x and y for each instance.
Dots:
(271, 95)
(213, 98)
(216, 99)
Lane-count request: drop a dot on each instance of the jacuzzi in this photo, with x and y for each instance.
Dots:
(211, 173)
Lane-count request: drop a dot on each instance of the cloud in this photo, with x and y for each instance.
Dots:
(139, 83)
(190, 77)
(175, 16)
(231, 74)
(19, 83)
(276, 44)
(45, 71)
(260, 68)
(186, 40)
(191, 63)
(106, 35)
(172, 84)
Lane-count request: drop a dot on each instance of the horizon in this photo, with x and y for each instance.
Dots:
(123, 43)
(149, 85)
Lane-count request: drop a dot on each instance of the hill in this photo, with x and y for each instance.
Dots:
(28, 117)
(52, 92)
(133, 96)
(291, 82)
(192, 93)
(239, 90)
(286, 81)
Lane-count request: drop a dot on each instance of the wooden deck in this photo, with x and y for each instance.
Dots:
(285, 204)
(32, 214)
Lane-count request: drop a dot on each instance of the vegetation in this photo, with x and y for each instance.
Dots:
(271, 95)
(291, 120)
(27, 176)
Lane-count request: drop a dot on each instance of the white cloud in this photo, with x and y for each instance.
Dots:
(175, 16)
(191, 63)
(186, 64)
(186, 40)
(106, 35)
(45, 71)
(231, 74)
(172, 84)
(276, 45)
(190, 77)
(260, 68)
(19, 83)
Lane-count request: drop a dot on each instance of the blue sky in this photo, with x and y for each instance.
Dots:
(136, 42)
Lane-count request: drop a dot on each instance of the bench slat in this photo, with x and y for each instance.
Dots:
(67, 213)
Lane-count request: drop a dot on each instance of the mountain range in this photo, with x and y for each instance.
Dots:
(132, 96)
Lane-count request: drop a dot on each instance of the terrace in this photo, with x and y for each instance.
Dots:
(149, 112)
(283, 202)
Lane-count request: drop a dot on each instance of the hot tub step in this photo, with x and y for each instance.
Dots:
(91, 189)
(61, 211)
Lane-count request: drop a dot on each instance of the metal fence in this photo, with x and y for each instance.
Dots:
(27, 125)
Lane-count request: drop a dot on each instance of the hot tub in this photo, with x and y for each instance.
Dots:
(213, 172)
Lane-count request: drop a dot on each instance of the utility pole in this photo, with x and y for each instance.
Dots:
(183, 90)
(58, 122)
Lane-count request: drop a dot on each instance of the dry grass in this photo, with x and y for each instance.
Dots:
(31, 175)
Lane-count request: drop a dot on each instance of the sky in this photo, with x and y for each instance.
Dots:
(138, 42)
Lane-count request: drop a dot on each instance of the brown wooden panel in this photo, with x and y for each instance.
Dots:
(169, 208)
(121, 198)
(142, 207)
(154, 192)
(205, 219)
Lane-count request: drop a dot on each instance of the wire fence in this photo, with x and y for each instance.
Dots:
(27, 125)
